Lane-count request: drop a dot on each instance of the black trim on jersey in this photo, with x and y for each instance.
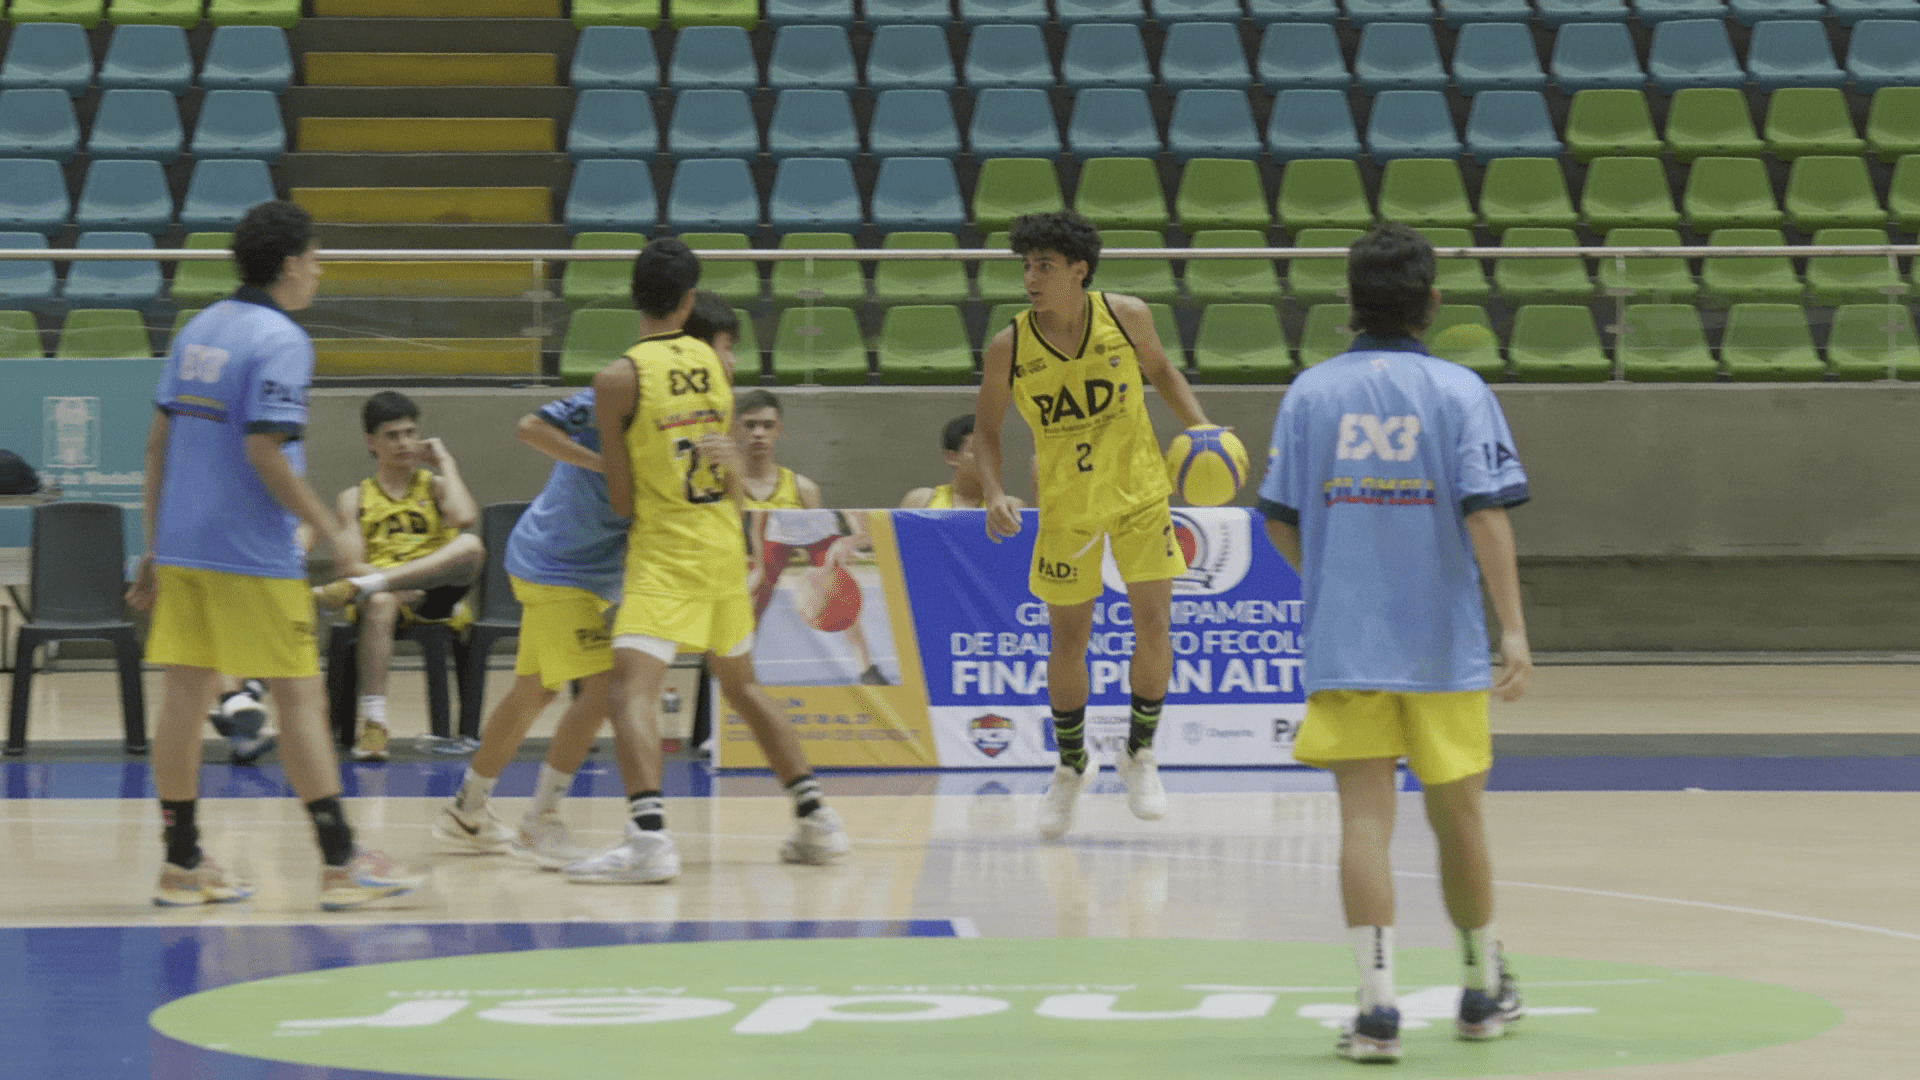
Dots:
(1510, 496)
(294, 432)
(1086, 335)
(1117, 324)
(1274, 511)
(664, 335)
(627, 424)
(1013, 368)
(254, 294)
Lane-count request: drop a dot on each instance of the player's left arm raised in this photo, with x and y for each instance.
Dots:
(457, 506)
(1137, 321)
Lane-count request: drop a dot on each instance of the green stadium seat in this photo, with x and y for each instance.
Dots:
(87, 13)
(924, 344)
(1627, 191)
(1326, 334)
(1893, 122)
(1830, 193)
(103, 334)
(1167, 326)
(1322, 194)
(1229, 281)
(595, 338)
(180, 319)
(1714, 121)
(1804, 120)
(1425, 191)
(1001, 281)
(1463, 334)
(918, 282)
(1665, 343)
(589, 284)
(818, 281)
(1122, 193)
(1770, 343)
(1874, 341)
(736, 282)
(1557, 343)
(201, 283)
(1148, 279)
(1542, 281)
(1222, 193)
(284, 14)
(1321, 281)
(742, 13)
(1462, 280)
(1241, 343)
(746, 349)
(20, 337)
(1833, 280)
(1730, 192)
(1659, 281)
(615, 13)
(1903, 194)
(182, 13)
(1009, 187)
(1603, 123)
(820, 345)
(1747, 279)
(999, 317)
(1525, 191)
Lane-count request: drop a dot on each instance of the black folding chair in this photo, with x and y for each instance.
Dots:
(499, 612)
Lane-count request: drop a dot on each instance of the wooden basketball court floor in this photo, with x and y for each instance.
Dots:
(1750, 827)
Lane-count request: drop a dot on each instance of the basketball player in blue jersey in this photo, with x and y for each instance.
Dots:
(224, 575)
(1388, 480)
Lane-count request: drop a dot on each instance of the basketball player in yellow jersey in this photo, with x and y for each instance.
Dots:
(1075, 364)
(665, 413)
(963, 492)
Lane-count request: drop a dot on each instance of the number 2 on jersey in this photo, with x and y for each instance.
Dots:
(1081, 452)
(703, 484)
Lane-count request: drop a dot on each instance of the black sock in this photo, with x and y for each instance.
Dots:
(330, 826)
(806, 795)
(181, 832)
(1070, 731)
(1146, 720)
(648, 810)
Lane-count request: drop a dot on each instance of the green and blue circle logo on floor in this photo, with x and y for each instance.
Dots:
(937, 1008)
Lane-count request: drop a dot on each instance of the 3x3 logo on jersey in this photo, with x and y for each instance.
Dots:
(1364, 435)
(696, 381)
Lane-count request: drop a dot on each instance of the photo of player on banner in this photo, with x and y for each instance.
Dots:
(816, 591)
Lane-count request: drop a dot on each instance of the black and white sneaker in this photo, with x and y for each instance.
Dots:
(1374, 1036)
(1484, 1015)
(241, 718)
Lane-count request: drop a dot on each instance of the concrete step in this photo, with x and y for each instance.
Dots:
(439, 9)
(337, 357)
(372, 235)
(553, 102)
(493, 280)
(388, 317)
(423, 170)
(444, 205)
(431, 69)
(554, 36)
(426, 134)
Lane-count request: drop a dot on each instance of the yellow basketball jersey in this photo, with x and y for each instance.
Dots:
(785, 494)
(403, 529)
(686, 538)
(942, 498)
(1098, 455)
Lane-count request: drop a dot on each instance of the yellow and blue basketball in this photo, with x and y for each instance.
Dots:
(1206, 465)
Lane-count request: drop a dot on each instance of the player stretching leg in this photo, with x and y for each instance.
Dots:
(1397, 666)
(1073, 365)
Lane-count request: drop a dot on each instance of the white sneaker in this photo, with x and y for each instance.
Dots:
(471, 834)
(370, 876)
(817, 839)
(645, 857)
(1146, 795)
(546, 842)
(1056, 813)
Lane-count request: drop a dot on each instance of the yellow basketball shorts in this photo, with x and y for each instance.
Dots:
(236, 624)
(563, 633)
(1444, 736)
(711, 624)
(1067, 555)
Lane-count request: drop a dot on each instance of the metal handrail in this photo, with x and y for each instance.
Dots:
(950, 254)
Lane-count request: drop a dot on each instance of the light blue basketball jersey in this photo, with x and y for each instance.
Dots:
(1378, 455)
(570, 535)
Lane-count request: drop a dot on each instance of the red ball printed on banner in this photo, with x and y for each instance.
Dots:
(829, 599)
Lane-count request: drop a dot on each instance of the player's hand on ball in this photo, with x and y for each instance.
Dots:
(145, 587)
(1516, 667)
(1003, 517)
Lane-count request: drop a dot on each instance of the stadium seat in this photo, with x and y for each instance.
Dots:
(913, 122)
(1112, 122)
(239, 124)
(1558, 13)
(1011, 57)
(708, 195)
(1013, 123)
(1326, 334)
(103, 334)
(920, 281)
(1730, 192)
(1792, 52)
(737, 281)
(1410, 124)
(744, 14)
(812, 58)
(1122, 193)
(25, 285)
(1322, 193)
(1319, 281)
(1009, 187)
(125, 195)
(917, 193)
(1398, 56)
(820, 345)
(1804, 120)
(1542, 281)
(1103, 54)
(813, 123)
(818, 281)
(1884, 52)
(248, 58)
(710, 123)
(220, 193)
(1740, 279)
(924, 345)
(1201, 55)
(1770, 343)
(118, 283)
(1903, 193)
(791, 12)
(1171, 12)
(596, 336)
(87, 13)
(1222, 193)
(20, 337)
(1893, 122)
(746, 347)
(1873, 341)
(1302, 56)
(1628, 191)
(1425, 191)
(1074, 12)
(200, 282)
(978, 12)
(284, 14)
(1315, 12)
(1833, 280)
(1557, 343)
(713, 58)
(1850, 12)
(1457, 278)
(910, 57)
(1756, 13)
(1497, 56)
(1662, 281)
(1831, 193)
(1241, 343)
(1464, 334)
(1212, 123)
(1521, 191)
(1231, 281)
(1366, 12)
(48, 56)
(613, 124)
(1166, 327)
(38, 123)
(1595, 56)
(1693, 52)
(1665, 343)
(1711, 121)
(590, 13)
(614, 58)
(33, 196)
(613, 195)
(1148, 279)
(1001, 281)
(1461, 13)
(814, 193)
(889, 12)
(1510, 123)
(1311, 124)
(147, 58)
(137, 124)
(1610, 123)
(1659, 11)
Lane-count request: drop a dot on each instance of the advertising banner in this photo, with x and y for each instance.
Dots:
(82, 424)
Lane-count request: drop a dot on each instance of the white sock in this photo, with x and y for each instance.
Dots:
(368, 584)
(474, 792)
(552, 786)
(374, 707)
(1480, 959)
(1373, 956)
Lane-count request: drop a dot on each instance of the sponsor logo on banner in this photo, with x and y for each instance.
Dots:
(992, 734)
(1218, 550)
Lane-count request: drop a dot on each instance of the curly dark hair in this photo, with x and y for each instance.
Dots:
(1063, 232)
(662, 273)
(1390, 280)
(712, 317)
(385, 407)
(267, 237)
(956, 432)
